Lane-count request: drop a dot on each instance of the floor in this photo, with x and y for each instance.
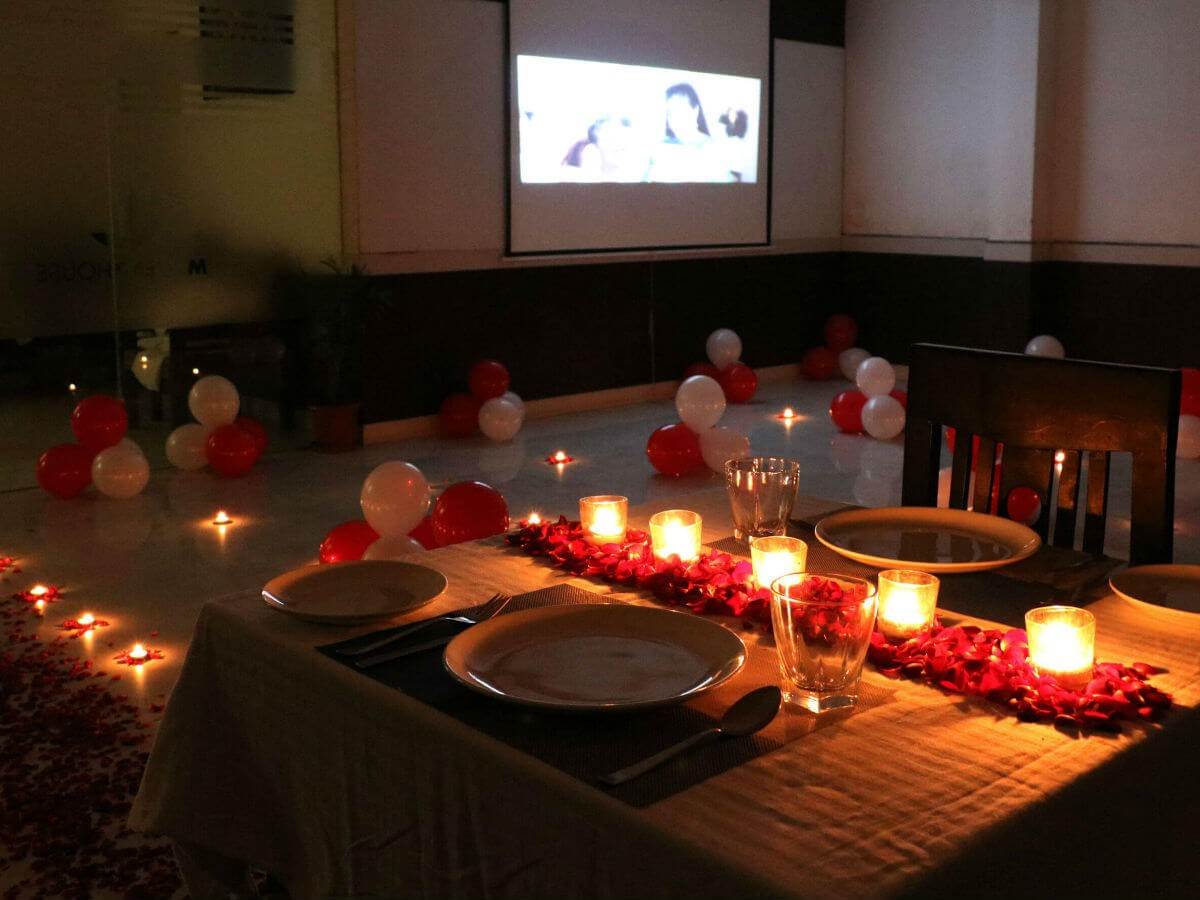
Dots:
(147, 564)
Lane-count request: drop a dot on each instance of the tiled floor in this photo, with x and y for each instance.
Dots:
(148, 564)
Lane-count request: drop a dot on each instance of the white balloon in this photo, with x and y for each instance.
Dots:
(850, 359)
(1045, 345)
(723, 347)
(186, 446)
(883, 417)
(120, 472)
(875, 376)
(1188, 446)
(515, 401)
(393, 547)
(719, 444)
(394, 498)
(214, 401)
(700, 402)
(499, 419)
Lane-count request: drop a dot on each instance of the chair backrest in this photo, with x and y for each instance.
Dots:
(1025, 410)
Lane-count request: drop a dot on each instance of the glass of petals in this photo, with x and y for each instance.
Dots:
(823, 624)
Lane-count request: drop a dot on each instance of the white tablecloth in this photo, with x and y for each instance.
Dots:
(273, 754)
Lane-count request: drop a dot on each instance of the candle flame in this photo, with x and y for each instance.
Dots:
(534, 519)
(38, 590)
(560, 456)
(86, 619)
(71, 387)
(195, 371)
(788, 413)
(222, 518)
(138, 652)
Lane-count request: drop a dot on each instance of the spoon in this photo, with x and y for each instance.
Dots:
(749, 714)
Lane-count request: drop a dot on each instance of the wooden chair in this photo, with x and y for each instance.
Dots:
(1036, 407)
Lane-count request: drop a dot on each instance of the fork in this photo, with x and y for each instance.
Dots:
(481, 614)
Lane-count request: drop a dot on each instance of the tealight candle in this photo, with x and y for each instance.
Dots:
(86, 620)
(604, 517)
(559, 458)
(534, 519)
(675, 532)
(1062, 641)
(38, 590)
(907, 602)
(222, 518)
(138, 653)
(776, 555)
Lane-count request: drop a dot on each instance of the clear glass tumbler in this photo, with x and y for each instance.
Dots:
(761, 490)
(823, 627)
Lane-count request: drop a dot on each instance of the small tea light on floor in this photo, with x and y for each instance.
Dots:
(559, 458)
(533, 519)
(222, 518)
(72, 388)
(788, 415)
(603, 517)
(776, 555)
(138, 654)
(86, 620)
(907, 602)
(1062, 643)
(195, 371)
(675, 532)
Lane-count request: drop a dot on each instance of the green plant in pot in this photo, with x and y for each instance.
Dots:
(335, 306)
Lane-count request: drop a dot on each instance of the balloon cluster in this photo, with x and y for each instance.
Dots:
(220, 438)
(876, 407)
(737, 380)
(1188, 446)
(490, 406)
(696, 439)
(839, 352)
(102, 456)
(397, 520)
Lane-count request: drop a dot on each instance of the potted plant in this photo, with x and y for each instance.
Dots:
(334, 307)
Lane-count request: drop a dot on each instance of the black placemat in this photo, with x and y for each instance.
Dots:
(582, 745)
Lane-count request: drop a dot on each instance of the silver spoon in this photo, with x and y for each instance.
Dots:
(749, 714)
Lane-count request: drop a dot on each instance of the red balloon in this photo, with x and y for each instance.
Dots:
(902, 396)
(459, 415)
(841, 332)
(674, 449)
(99, 422)
(467, 511)
(1189, 400)
(702, 368)
(738, 381)
(487, 379)
(846, 411)
(423, 534)
(256, 430)
(819, 364)
(347, 541)
(231, 450)
(65, 469)
(1023, 505)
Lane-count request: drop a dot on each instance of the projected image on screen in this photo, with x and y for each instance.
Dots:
(593, 122)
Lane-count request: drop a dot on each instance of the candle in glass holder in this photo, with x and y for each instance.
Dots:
(776, 555)
(675, 532)
(907, 602)
(1062, 643)
(603, 517)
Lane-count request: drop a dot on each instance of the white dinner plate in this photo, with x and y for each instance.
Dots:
(1163, 587)
(927, 538)
(594, 658)
(351, 593)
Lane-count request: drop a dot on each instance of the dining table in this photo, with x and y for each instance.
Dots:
(276, 755)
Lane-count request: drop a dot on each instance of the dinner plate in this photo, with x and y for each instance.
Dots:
(1162, 587)
(350, 593)
(594, 658)
(927, 538)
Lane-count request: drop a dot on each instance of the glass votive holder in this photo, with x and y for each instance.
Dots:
(776, 555)
(907, 602)
(603, 517)
(1062, 643)
(675, 532)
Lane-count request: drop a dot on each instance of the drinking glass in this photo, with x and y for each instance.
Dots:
(823, 627)
(761, 490)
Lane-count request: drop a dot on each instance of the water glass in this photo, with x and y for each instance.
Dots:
(823, 627)
(761, 490)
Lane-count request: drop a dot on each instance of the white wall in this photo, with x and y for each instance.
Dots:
(428, 173)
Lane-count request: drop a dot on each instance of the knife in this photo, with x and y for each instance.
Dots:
(388, 655)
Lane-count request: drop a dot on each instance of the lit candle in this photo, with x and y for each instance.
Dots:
(72, 387)
(38, 590)
(776, 555)
(1062, 642)
(559, 458)
(534, 519)
(222, 518)
(675, 532)
(87, 620)
(195, 371)
(603, 517)
(138, 654)
(907, 602)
